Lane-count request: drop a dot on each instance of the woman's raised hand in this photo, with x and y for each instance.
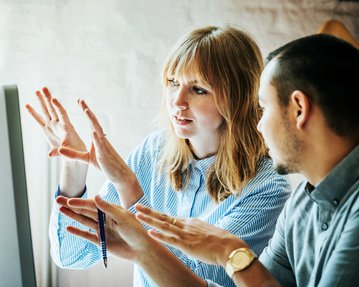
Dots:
(103, 155)
(56, 124)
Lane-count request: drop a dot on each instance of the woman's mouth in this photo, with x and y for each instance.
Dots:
(181, 120)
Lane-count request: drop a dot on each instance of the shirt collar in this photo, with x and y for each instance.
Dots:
(203, 164)
(332, 189)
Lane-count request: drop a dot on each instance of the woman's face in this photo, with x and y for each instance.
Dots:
(192, 111)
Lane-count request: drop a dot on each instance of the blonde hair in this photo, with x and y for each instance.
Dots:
(230, 62)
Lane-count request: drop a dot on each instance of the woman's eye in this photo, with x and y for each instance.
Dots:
(173, 82)
(199, 91)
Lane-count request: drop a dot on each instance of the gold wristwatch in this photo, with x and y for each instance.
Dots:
(238, 260)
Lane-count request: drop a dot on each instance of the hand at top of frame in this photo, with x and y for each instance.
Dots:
(125, 236)
(56, 124)
(193, 236)
(103, 155)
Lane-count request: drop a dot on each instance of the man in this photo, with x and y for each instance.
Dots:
(309, 95)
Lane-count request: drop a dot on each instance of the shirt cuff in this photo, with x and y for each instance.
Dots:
(58, 192)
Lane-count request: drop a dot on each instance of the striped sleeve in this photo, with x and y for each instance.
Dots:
(67, 250)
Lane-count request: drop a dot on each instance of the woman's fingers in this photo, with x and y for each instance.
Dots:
(49, 105)
(74, 154)
(92, 118)
(80, 218)
(62, 200)
(88, 157)
(94, 122)
(62, 112)
(88, 204)
(84, 234)
(81, 206)
(79, 203)
(35, 115)
(40, 97)
(82, 104)
(53, 152)
(116, 212)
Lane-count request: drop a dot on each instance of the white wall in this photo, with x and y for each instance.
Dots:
(110, 53)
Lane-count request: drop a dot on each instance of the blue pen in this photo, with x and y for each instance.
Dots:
(101, 222)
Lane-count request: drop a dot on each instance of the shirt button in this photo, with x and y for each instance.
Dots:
(324, 226)
(335, 202)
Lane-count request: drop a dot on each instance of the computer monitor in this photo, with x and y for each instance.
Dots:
(16, 255)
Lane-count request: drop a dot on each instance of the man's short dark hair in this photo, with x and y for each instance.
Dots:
(326, 69)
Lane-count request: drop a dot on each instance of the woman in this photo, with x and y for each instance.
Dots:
(210, 164)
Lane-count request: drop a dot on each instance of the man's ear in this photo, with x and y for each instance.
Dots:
(300, 107)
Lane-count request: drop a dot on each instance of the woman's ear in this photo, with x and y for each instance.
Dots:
(300, 107)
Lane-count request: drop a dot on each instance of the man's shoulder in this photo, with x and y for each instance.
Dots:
(351, 200)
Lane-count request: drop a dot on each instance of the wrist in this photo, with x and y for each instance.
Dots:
(74, 166)
(148, 252)
(238, 260)
(129, 191)
(229, 245)
(73, 179)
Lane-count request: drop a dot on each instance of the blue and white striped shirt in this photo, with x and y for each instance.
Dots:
(252, 215)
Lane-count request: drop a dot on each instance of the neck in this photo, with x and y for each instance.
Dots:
(323, 155)
(203, 149)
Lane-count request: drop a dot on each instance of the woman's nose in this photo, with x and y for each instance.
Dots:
(181, 99)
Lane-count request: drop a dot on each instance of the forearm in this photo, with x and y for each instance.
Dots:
(166, 270)
(213, 272)
(73, 178)
(256, 275)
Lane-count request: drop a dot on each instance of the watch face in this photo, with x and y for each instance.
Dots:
(238, 260)
(241, 259)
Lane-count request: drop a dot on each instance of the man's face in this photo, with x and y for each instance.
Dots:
(278, 130)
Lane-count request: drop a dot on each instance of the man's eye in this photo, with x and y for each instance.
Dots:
(173, 82)
(199, 91)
